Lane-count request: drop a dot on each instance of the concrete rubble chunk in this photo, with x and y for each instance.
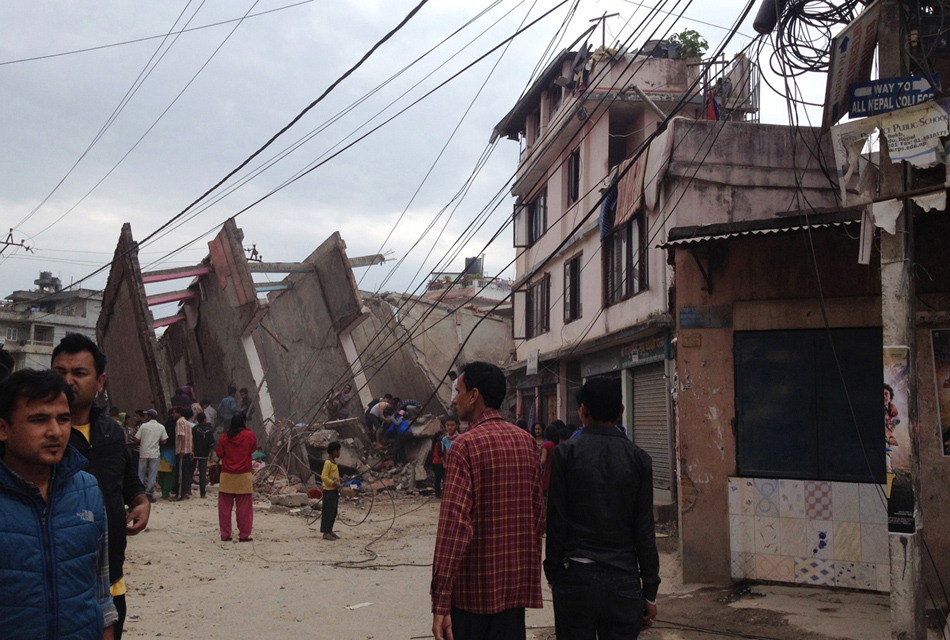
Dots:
(290, 500)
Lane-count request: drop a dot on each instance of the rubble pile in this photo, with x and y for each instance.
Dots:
(290, 478)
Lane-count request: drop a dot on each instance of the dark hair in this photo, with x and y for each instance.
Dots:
(602, 397)
(521, 424)
(453, 375)
(489, 380)
(387, 396)
(32, 385)
(551, 433)
(888, 387)
(205, 402)
(244, 390)
(201, 417)
(179, 391)
(114, 411)
(536, 424)
(184, 411)
(396, 400)
(558, 424)
(452, 418)
(238, 424)
(75, 343)
(334, 446)
(232, 390)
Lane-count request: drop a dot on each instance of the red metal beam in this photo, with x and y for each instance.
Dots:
(162, 275)
(174, 296)
(164, 322)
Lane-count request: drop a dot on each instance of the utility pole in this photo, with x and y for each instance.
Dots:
(898, 290)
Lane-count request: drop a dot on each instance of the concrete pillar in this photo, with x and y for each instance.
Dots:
(264, 402)
(898, 290)
(562, 392)
(356, 367)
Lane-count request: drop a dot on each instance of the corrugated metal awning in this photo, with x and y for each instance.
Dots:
(708, 233)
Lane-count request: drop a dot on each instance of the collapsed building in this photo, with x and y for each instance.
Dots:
(292, 343)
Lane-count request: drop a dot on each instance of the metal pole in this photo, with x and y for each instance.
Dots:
(899, 328)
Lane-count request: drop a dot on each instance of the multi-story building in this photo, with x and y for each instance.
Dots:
(592, 290)
(32, 322)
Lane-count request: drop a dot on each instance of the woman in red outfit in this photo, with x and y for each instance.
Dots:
(236, 487)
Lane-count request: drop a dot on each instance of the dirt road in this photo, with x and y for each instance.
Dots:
(374, 583)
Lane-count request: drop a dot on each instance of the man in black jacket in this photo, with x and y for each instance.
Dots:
(101, 440)
(601, 557)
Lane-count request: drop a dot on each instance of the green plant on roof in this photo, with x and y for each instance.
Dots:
(691, 44)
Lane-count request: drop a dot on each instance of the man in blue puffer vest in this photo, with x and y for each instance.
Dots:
(54, 560)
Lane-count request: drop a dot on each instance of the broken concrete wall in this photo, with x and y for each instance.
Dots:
(210, 346)
(124, 332)
(388, 356)
(308, 362)
(424, 337)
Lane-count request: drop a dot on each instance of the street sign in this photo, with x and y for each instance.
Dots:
(890, 94)
(852, 52)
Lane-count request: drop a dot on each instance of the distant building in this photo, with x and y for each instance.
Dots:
(33, 322)
(470, 288)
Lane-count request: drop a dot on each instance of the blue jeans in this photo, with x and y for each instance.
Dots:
(148, 471)
(594, 600)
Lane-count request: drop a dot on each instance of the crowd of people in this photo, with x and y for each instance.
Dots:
(74, 485)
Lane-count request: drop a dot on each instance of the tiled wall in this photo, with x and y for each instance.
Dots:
(804, 531)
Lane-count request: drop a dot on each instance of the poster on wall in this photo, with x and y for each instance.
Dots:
(940, 339)
(897, 438)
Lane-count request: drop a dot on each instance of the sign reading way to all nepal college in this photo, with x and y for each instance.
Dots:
(897, 441)
(941, 350)
(852, 52)
(890, 94)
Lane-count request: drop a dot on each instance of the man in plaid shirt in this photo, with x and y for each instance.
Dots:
(486, 569)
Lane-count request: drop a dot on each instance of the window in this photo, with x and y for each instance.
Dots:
(538, 217)
(538, 310)
(624, 256)
(574, 176)
(806, 428)
(11, 333)
(43, 335)
(572, 289)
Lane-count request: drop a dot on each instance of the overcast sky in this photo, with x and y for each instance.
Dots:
(249, 79)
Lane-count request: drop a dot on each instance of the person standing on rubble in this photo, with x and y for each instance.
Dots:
(236, 486)
(488, 545)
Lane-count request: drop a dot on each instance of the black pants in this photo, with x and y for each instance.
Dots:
(119, 602)
(202, 474)
(504, 625)
(331, 502)
(185, 471)
(593, 600)
(439, 471)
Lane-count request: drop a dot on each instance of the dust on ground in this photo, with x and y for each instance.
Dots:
(373, 583)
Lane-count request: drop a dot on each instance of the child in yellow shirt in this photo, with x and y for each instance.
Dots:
(331, 491)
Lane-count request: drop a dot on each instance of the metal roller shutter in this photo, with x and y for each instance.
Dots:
(651, 431)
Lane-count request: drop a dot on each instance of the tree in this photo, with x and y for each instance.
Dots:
(689, 43)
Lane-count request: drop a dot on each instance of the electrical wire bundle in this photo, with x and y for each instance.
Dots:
(804, 35)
